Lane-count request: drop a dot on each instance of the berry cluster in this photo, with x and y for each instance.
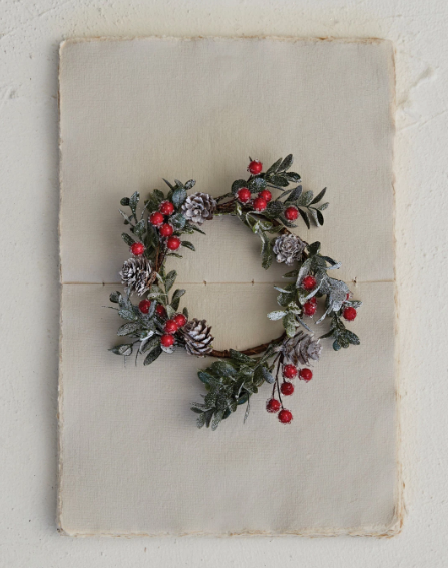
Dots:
(160, 220)
(171, 326)
(274, 405)
(309, 308)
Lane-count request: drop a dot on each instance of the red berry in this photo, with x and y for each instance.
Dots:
(291, 213)
(309, 282)
(156, 219)
(260, 204)
(166, 207)
(160, 311)
(243, 195)
(180, 320)
(306, 374)
(173, 243)
(255, 167)
(166, 230)
(285, 416)
(266, 195)
(313, 300)
(167, 340)
(289, 371)
(137, 249)
(144, 306)
(287, 389)
(170, 326)
(309, 308)
(273, 405)
(349, 314)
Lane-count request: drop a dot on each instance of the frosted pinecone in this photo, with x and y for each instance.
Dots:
(302, 348)
(198, 207)
(288, 248)
(197, 337)
(135, 275)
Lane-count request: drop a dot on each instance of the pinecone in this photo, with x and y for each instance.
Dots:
(302, 348)
(198, 207)
(197, 337)
(135, 275)
(288, 248)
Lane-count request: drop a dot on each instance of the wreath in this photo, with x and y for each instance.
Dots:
(155, 325)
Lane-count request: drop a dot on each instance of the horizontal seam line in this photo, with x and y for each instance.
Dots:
(227, 282)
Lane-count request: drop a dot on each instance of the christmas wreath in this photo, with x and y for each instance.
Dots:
(155, 325)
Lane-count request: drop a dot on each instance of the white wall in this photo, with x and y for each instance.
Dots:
(30, 32)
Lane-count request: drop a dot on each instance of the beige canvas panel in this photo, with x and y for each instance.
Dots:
(133, 112)
(132, 460)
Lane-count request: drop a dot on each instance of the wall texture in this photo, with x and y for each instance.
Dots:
(29, 36)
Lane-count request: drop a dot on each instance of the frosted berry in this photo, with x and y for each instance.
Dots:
(180, 320)
(170, 326)
(160, 311)
(173, 243)
(306, 374)
(285, 416)
(313, 300)
(156, 219)
(289, 371)
(287, 389)
(260, 204)
(266, 195)
(137, 249)
(291, 213)
(349, 314)
(166, 230)
(309, 308)
(255, 167)
(144, 306)
(167, 340)
(243, 195)
(273, 405)
(309, 282)
(166, 208)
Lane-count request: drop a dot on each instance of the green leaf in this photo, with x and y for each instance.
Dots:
(268, 377)
(319, 196)
(257, 184)
(135, 197)
(124, 201)
(305, 218)
(159, 195)
(140, 228)
(127, 314)
(336, 346)
(238, 184)
(205, 377)
(151, 344)
(197, 229)
(305, 198)
(178, 221)
(286, 164)
(293, 177)
(289, 323)
(323, 206)
(189, 184)
(352, 337)
(179, 196)
(216, 419)
(115, 297)
(174, 254)
(291, 274)
(128, 328)
(277, 315)
(200, 421)
(170, 310)
(274, 167)
(223, 368)
(185, 312)
(125, 349)
(169, 280)
(278, 180)
(240, 357)
(314, 248)
(187, 245)
(295, 194)
(152, 355)
(127, 239)
(275, 208)
(246, 414)
(267, 254)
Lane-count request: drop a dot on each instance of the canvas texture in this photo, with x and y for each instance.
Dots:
(131, 461)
